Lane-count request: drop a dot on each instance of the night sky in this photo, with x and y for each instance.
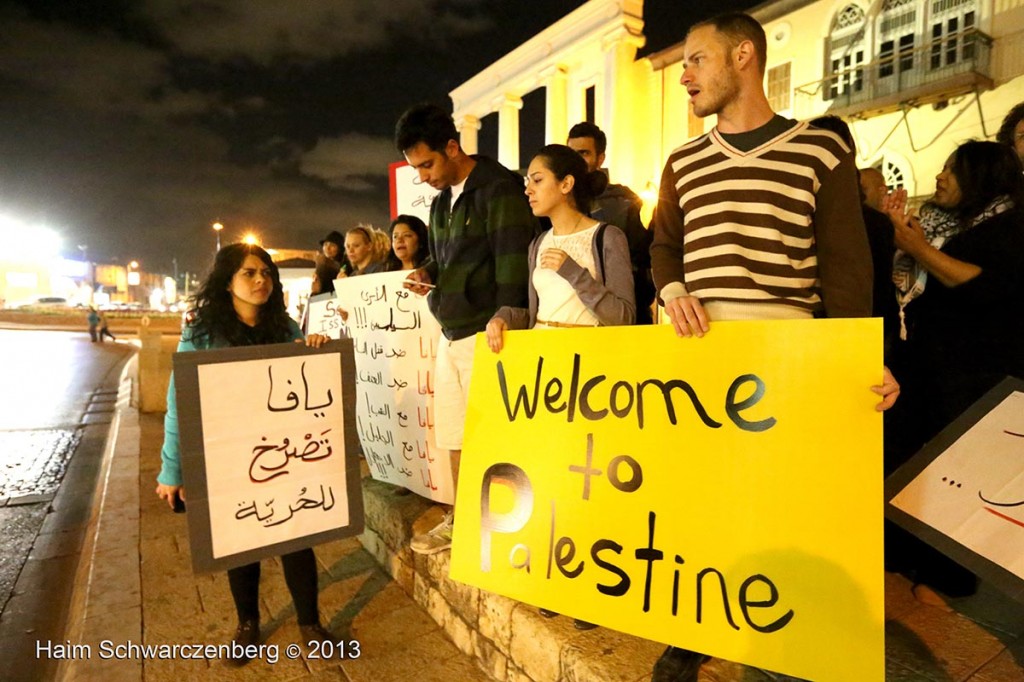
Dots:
(130, 126)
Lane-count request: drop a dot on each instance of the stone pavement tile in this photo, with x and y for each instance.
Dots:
(899, 598)
(107, 670)
(721, 670)
(118, 626)
(939, 644)
(116, 570)
(172, 617)
(378, 597)
(359, 600)
(118, 532)
(416, 660)
(215, 595)
(894, 672)
(609, 656)
(336, 551)
(176, 669)
(992, 609)
(345, 565)
(1008, 666)
(383, 634)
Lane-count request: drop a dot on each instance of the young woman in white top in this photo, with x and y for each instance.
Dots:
(580, 272)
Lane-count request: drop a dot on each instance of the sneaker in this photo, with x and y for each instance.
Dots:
(583, 625)
(437, 539)
(548, 613)
(316, 633)
(678, 665)
(246, 634)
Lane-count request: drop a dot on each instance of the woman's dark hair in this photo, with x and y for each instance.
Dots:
(422, 250)
(984, 171)
(1009, 125)
(215, 318)
(563, 162)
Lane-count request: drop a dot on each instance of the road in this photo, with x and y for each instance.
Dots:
(57, 393)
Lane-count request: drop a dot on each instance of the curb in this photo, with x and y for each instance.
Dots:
(106, 599)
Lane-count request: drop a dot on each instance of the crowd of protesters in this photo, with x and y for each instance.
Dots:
(801, 233)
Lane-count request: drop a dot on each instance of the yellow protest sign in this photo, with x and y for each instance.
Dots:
(721, 494)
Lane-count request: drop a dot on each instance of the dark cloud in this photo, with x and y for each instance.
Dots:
(132, 125)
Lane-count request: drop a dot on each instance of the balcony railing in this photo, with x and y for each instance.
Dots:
(942, 68)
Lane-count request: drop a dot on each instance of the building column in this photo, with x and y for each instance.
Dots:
(468, 127)
(556, 104)
(508, 107)
(621, 101)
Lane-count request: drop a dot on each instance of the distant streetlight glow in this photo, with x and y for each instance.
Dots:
(217, 227)
(21, 241)
(251, 239)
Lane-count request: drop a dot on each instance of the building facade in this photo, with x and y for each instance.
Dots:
(914, 78)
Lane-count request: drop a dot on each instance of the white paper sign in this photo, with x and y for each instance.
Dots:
(324, 316)
(974, 491)
(396, 339)
(285, 478)
(409, 195)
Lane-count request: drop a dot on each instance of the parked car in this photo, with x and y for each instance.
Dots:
(47, 302)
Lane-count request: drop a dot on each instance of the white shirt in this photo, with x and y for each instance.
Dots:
(457, 192)
(557, 301)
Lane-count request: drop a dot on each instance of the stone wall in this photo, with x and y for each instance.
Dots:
(510, 641)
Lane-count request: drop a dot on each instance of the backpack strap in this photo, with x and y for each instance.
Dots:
(599, 239)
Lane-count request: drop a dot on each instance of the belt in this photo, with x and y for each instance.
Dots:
(564, 325)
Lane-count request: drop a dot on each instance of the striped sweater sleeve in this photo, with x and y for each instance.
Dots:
(667, 225)
(844, 257)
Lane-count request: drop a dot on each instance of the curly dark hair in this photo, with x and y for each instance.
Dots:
(984, 171)
(563, 161)
(423, 249)
(1009, 125)
(215, 320)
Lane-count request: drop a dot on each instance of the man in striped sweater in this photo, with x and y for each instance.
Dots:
(480, 231)
(758, 219)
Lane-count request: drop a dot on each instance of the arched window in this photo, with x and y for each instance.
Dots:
(893, 174)
(846, 51)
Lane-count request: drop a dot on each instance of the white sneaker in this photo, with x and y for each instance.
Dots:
(437, 539)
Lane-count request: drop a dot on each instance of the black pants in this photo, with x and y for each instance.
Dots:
(299, 575)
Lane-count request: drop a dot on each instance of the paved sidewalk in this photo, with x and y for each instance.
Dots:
(139, 587)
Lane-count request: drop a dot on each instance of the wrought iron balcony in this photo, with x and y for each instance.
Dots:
(938, 70)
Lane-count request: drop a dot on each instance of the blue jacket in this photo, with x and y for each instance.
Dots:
(170, 454)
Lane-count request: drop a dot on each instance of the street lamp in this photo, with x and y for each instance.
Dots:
(251, 239)
(217, 227)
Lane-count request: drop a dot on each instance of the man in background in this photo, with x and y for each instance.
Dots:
(618, 205)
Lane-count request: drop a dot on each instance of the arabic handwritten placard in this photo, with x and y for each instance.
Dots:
(396, 341)
(964, 492)
(718, 494)
(409, 194)
(268, 450)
